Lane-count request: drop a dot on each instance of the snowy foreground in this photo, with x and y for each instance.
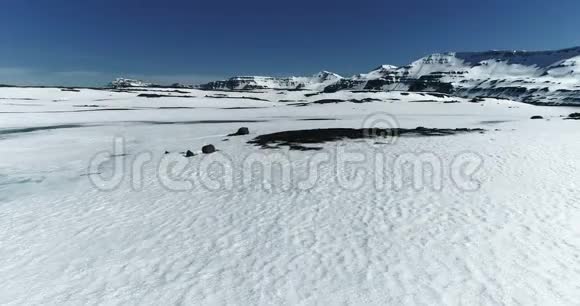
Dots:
(493, 219)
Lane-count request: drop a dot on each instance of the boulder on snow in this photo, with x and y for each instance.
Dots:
(537, 117)
(575, 116)
(189, 154)
(241, 131)
(208, 149)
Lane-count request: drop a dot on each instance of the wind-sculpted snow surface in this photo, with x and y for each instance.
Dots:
(105, 206)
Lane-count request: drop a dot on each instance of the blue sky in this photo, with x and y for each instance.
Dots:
(88, 42)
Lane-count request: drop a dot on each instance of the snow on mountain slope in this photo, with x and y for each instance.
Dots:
(565, 69)
(316, 82)
(380, 72)
(538, 77)
(123, 83)
(548, 77)
(540, 59)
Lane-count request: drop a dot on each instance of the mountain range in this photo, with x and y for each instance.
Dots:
(537, 77)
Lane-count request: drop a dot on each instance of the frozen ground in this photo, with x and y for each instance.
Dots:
(507, 234)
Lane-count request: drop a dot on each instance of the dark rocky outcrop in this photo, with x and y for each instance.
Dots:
(335, 101)
(241, 132)
(208, 149)
(151, 95)
(232, 97)
(297, 138)
(477, 100)
(537, 117)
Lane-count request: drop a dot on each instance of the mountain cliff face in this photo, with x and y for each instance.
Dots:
(316, 82)
(542, 77)
(122, 83)
(126, 83)
(550, 77)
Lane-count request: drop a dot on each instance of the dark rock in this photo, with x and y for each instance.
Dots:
(189, 154)
(574, 116)
(208, 149)
(365, 100)
(431, 83)
(537, 117)
(70, 89)
(241, 131)
(244, 107)
(303, 148)
(334, 101)
(146, 95)
(317, 119)
(232, 97)
(166, 152)
(150, 95)
(328, 101)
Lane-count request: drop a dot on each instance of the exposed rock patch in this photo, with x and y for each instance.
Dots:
(296, 139)
(335, 101)
(231, 97)
(151, 95)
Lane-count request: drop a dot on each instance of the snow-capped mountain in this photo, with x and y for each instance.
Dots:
(124, 83)
(315, 82)
(120, 83)
(550, 77)
(542, 77)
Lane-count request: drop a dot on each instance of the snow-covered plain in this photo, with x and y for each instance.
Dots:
(506, 234)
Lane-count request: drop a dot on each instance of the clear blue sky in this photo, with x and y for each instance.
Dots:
(87, 42)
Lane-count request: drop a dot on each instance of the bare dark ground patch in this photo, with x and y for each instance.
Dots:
(336, 101)
(296, 139)
(232, 97)
(39, 128)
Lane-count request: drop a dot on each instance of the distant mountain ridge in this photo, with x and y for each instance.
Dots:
(124, 83)
(537, 77)
(543, 77)
(315, 82)
(120, 83)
